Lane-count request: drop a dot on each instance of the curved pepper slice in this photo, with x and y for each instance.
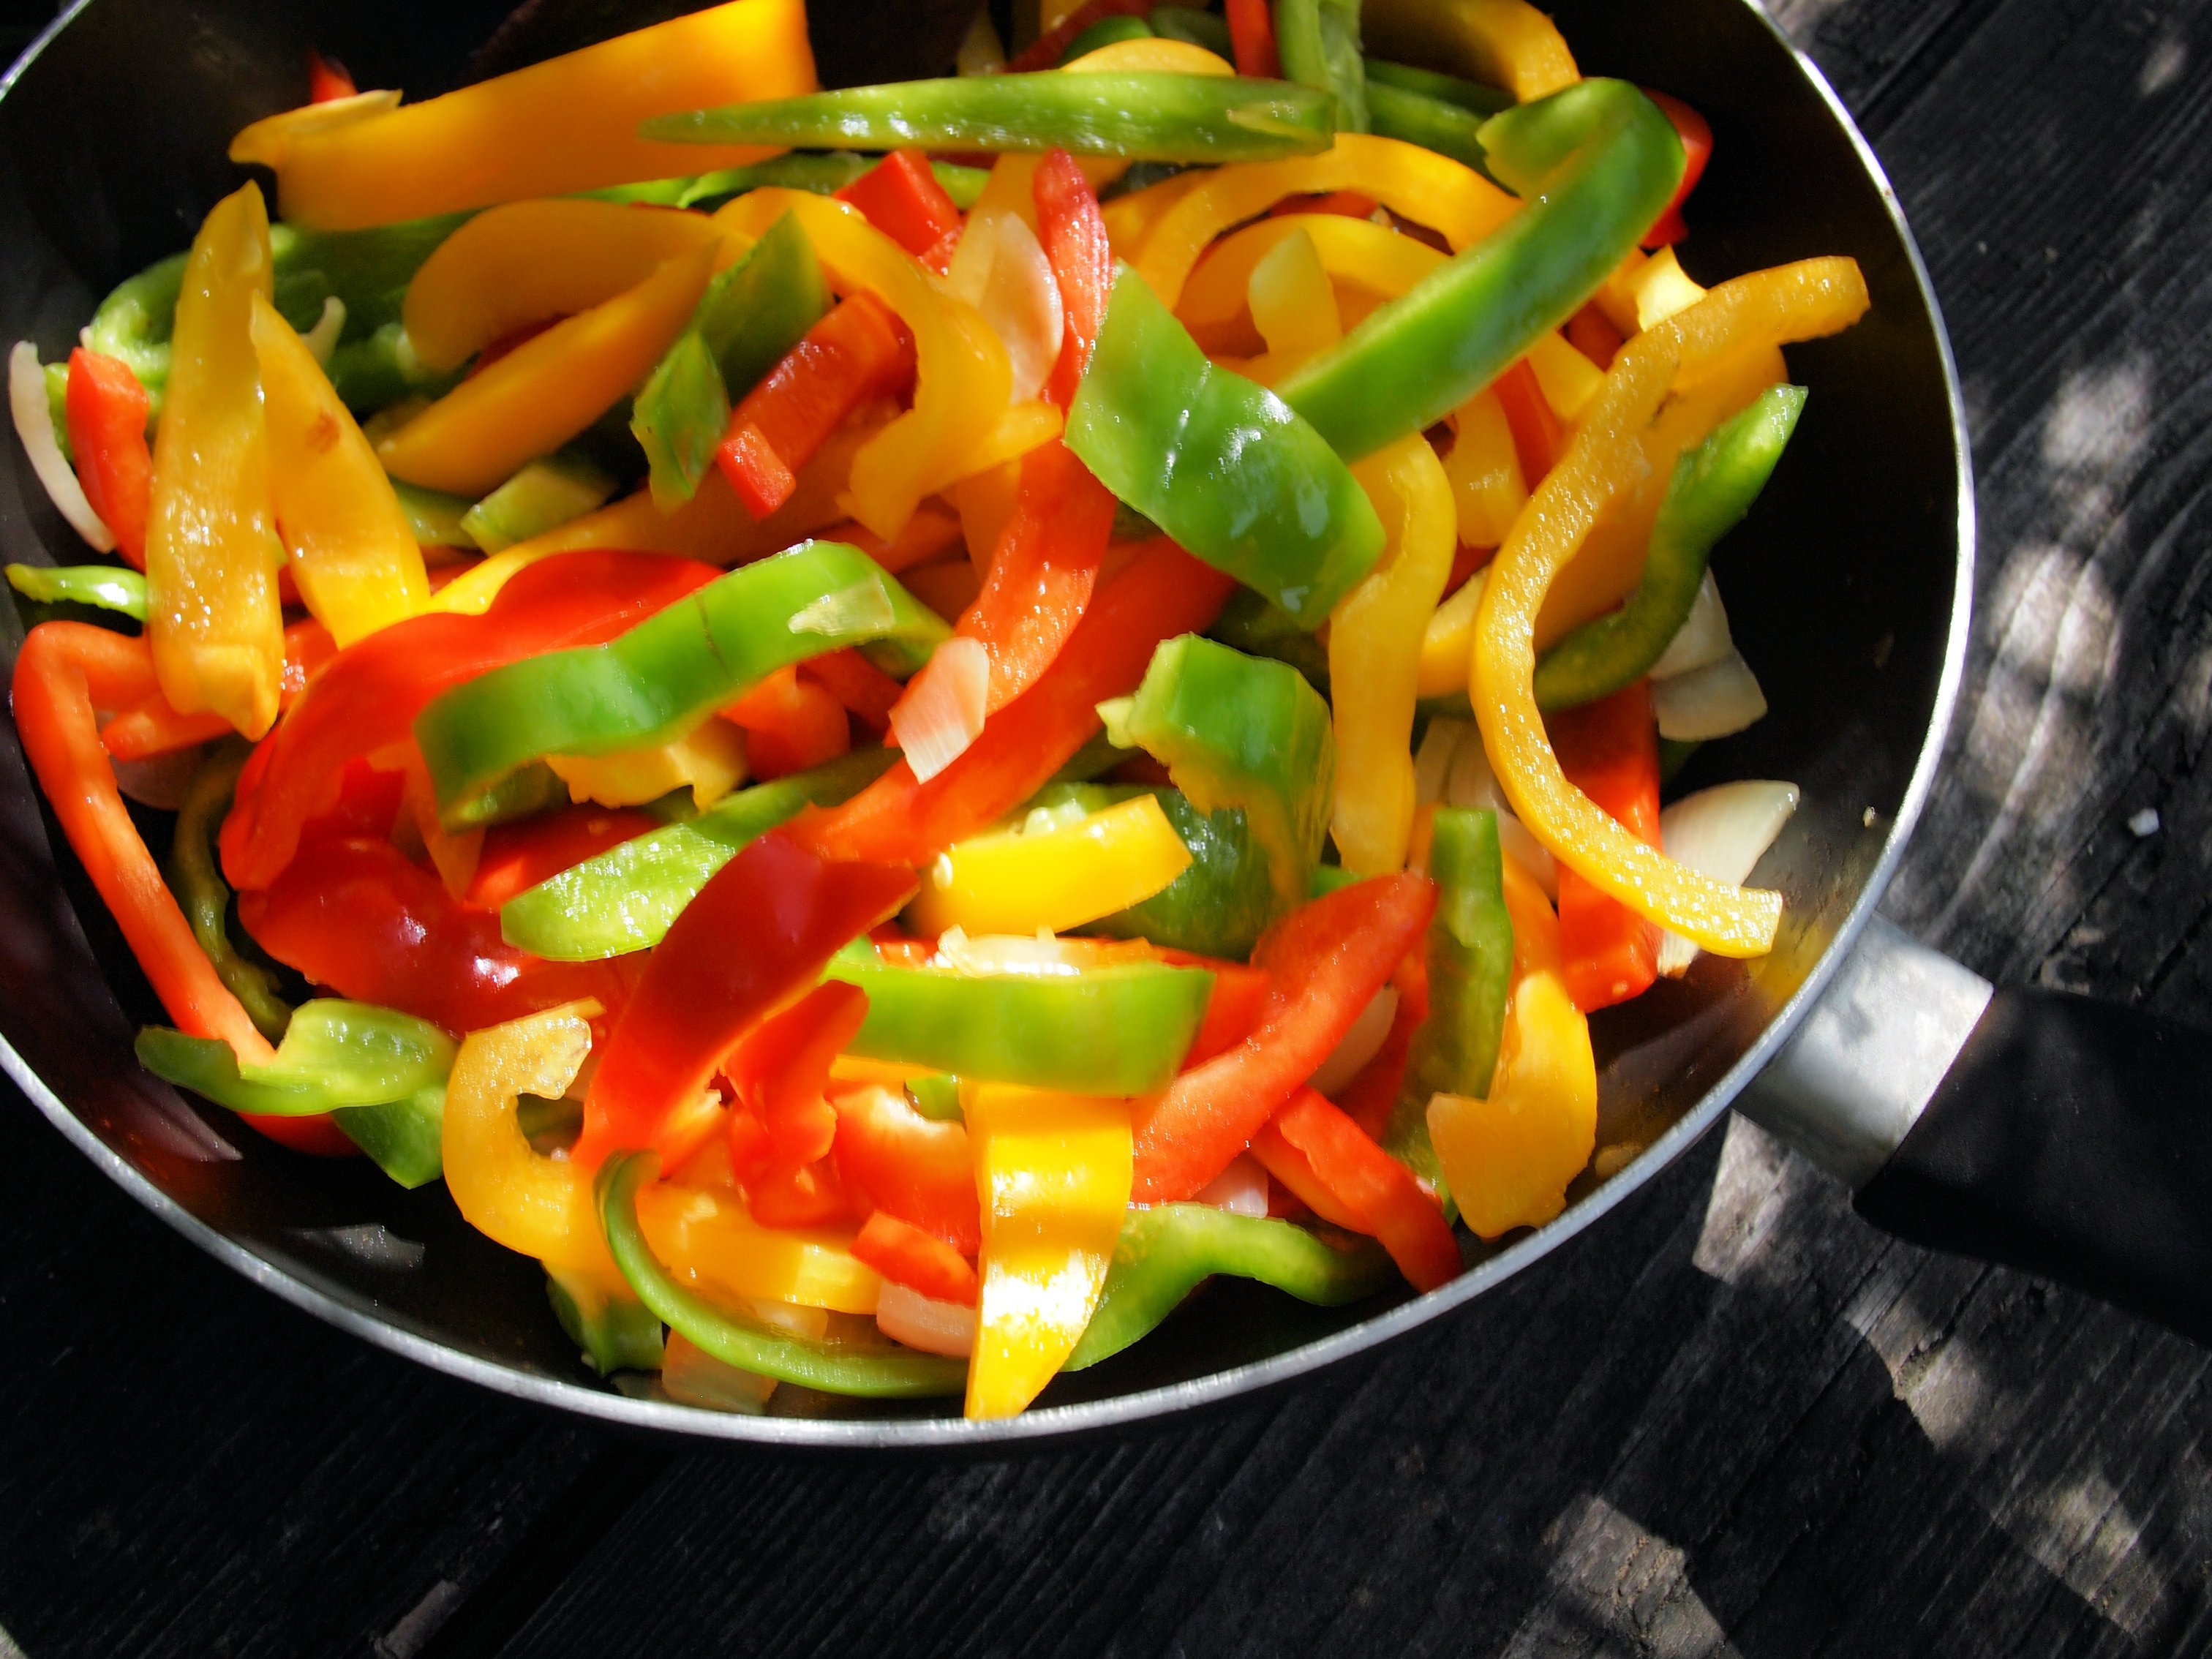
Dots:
(704, 1235)
(1506, 43)
(1166, 1251)
(848, 1367)
(664, 675)
(918, 1169)
(1222, 900)
(1054, 877)
(1318, 41)
(106, 412)
(1356, 251)
(197, 881)
(1319, 1152)
(1790, 302)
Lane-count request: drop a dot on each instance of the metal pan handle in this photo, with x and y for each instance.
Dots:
(2069, 1137)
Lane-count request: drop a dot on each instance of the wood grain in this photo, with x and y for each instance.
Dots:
(1732, 1420)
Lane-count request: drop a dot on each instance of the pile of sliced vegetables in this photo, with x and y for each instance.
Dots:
(892, 725)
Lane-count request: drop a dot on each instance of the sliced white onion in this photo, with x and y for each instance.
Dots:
(1359, 1043)
(1001, 269)
(942, 710)
(1432, 760)
(1722, 832)
(1472, 784)
(34, 425)
(160, 780)
(1241, 1189)
(692, 1376)
(1703, 637)
(1007, 953)
(920, 1322)
(1716, 701)
(323, 338)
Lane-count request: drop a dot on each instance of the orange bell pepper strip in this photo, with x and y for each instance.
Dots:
(900, 196)
(1609, 750)
(555, 128)
(107, 411)
(150, 727)
(861, 688)
(62, 672)
(1073, 233)
(1317, 1150)
(901, 1164)
(1326, 961)
(906, 1255)
(1252, 38)
(896, 820)
(858, 353)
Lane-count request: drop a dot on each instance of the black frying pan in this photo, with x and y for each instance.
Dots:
(2036, 1129)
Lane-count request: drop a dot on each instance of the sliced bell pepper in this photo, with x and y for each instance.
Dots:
(861, 689)
(1252, 38)
(896, 820)
(327, 80)
(1696, 138)
(1198, 27)
(1399, 112)
(848, 1367)
(211, 553)
(196, 880)
(922, 1261)
(1220, 903)
(902, 198)
(1489, 490)
(1309, 1143)
(1053, 876)
(1073, 233)
(1506, 43)
(1609, 750)
(353, 554)
(1374, 654)
(567, 125)
(625, 899)
(1293, 306)
(790, 725)
(1596, 163)
(1788, 302)
(551, 388)
(102, 587)
(1318, 41)
(1239, 731)
(698, 997)
(1372, 1095)
(517, 857)
(901, 1164)
(107, 440)
(1538, 438)
(613, 1329)
(782, 1066)
(1050, 46)
(1326, 961)
(369, 696)
(1106, 32)
(709, 760)
(1053, 1172)
(855, 353)
(1165, 1252)
(703, 1235)
(664, 675)
(1356, 251)
(1121, 1028)
(1712, 487)
(150, 727)
(1147, 117)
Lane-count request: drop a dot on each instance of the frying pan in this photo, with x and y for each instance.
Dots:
(2030, 1127)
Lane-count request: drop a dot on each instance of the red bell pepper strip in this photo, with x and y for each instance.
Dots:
(1697, 137)
(62, 672)
(1074, 233)
(1310, 1138)
(516, 857)
(327, 80)
(781, 1069)
(790, 724)
(106, 410)
(858, 352)
(150, 727)
(760, 931)
(353, 914)
(1373, 1091)
(1240, 992)
(1609, 750)
(1252, 40)
(367, 699)
(1044, 52)
(1327, 960)
(1537, 436)
(779, 1192)
(901, 1164)
(1162, 592)
(906, 1255)
(861, 688)
(900, 196)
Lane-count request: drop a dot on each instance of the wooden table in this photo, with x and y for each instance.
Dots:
(1734, 1420)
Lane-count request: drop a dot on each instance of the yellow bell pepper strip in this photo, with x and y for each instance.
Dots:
(1375, 638)
(567, 125)
(504, 1187)
(1596, 163)
(551, 388)
(211, 553)
(1055, 876)
(868, 1370)
(1156, 54)
(354, 556)
(522, 263)
(1356, 251)
(1447, 642)
(705, 1238)
(710, 761)
(552, 491)
(1484, 470)
(1506, 43)
(1053, 1172)
(1293, 305)
(962, 377)
(1803, 301)
(269, 141)
(1508, 1158)
(1429, 189)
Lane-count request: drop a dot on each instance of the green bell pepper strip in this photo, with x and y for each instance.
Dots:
(616, 1332)
(750, 315)
(661, 678)
(1164, 1252)
(105, 587)
(627, 898)
(196, 878)
(405, 1138)
(848, 1367)
(822, 174)
(1199, 27)
(1596, 163)
(937, 1098)
(1105, 33)
(1219, 462)
(1713, 486)
(1120, 1030)
(1470, 961)
(1415, 118)
(1470, 95)
(1218, 906)
(1319, 42)
(1260, 628)
(1152, 116)
(544, 494)
(434, 518)
(1242, 731)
